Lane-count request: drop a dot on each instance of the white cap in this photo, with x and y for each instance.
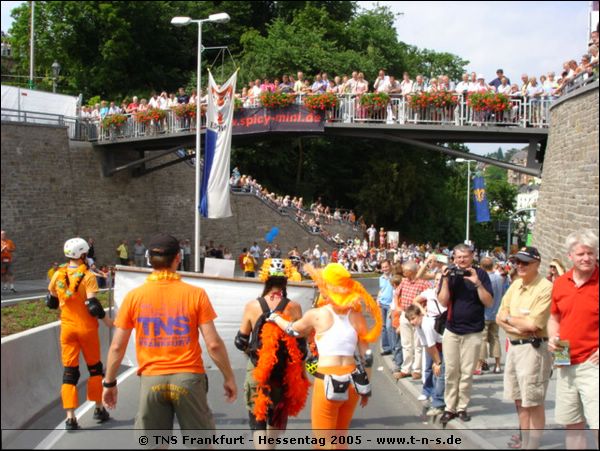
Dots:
(480, 77)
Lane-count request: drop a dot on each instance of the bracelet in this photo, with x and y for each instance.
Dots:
(109, 384)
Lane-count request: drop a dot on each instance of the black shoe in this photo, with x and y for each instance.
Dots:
(12, 290)
(101, 415)
(71, 424)
(386, 353)
(447, 416)
(463, 416)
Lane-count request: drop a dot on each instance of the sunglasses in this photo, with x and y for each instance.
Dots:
(519, 262)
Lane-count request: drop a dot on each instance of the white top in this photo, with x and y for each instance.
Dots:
(340, 339)
(427, 334)
(432, 309)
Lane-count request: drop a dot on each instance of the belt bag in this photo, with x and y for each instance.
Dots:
(336, 387)
(361, 382)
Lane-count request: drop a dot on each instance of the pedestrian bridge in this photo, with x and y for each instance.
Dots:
(524, 121)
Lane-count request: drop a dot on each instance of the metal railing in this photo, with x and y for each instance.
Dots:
(523, 112)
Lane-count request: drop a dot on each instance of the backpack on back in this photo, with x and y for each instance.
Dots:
(255, 342)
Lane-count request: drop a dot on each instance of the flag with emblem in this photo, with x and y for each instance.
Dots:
(214, 190)
(482, 210)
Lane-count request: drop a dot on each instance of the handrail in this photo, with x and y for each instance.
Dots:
(524, 112)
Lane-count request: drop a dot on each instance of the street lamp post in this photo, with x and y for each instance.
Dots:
(462, 160)
(509, 231)
(180, 22)
(55, 73)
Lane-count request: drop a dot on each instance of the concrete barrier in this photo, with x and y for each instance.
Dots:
(31, 373)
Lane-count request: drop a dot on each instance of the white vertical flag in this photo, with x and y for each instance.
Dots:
(214, 192)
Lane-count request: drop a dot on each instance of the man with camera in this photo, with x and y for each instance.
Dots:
(523, 314)
(465, 291)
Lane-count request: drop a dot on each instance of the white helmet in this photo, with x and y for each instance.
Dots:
(76, 247)
(277, 267)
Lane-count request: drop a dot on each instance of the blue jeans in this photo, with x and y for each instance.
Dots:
(397, 356)
(428, 385)
(387, 339)
(437, 397)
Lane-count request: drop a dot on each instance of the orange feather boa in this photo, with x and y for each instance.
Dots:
(295, 382)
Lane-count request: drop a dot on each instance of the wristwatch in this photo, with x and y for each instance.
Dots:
(109, 384)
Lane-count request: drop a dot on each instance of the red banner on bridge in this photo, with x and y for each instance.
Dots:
(294, 118)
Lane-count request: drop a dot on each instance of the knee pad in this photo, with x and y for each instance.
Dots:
(96, 370)
(71, 375)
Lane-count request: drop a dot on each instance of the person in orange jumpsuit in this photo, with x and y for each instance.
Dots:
(73, 288)
(340, 334)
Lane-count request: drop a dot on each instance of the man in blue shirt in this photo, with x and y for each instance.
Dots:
(384, 300)
(490, 334)
(465, 291)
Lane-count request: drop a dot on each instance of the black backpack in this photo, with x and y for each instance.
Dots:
(255, 342)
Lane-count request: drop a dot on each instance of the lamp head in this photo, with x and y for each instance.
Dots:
(219, 18)
(180, 21)
(460, 160)
(55, 68)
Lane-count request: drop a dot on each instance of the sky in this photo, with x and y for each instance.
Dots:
(518, 37)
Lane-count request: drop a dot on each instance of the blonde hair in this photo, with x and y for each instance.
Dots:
(585, 237)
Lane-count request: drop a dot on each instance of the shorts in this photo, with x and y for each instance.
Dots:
(527, 373)
(577, 394)
(166, 395)
(7, 268)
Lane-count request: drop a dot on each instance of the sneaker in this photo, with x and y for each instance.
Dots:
(12, 290)
(497, 369)
(385, 353)
(485, 366)
(101, 415)
(423, 398)
(477, 372)
(434, 411)
(71, 424)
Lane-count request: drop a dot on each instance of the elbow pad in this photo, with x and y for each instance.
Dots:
(242, 341)
(95, 308)
(51, 301)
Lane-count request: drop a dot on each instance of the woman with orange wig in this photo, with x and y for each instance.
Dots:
(340, 331)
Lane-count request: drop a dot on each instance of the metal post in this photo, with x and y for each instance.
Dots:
(198, 152)
(31, 46)
(468, 198)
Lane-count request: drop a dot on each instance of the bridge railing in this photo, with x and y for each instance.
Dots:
(523, 112)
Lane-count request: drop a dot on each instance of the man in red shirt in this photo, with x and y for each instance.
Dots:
(574, 319)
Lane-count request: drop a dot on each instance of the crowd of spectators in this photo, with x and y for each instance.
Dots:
(546, 86)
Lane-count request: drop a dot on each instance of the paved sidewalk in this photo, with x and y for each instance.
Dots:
(26, 288)
(493, 419)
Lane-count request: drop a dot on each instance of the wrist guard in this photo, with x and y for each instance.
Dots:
(241, 341)
(368, 359)
(95, 308)
(290, 331)
(51, 302)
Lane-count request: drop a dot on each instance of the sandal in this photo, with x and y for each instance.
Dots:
(514, 445)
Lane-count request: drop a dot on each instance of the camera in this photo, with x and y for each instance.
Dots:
(455, 271)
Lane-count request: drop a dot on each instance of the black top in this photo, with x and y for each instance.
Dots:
(465, 309)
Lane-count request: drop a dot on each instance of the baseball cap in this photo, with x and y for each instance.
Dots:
(527, 254)
(163, 244)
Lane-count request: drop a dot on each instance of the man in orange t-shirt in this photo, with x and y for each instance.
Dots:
(167, 315)
(8, 247)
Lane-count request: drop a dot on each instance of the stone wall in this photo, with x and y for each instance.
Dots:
(53, 189)
(569, 192)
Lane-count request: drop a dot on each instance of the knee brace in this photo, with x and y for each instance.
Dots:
(96, 370)
(71, 375)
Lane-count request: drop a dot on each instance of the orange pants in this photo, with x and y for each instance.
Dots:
(332, 417)
(72, 342)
